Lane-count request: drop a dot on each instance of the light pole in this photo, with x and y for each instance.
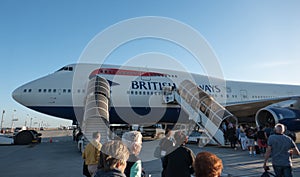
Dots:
(30, 122)
(26, 120)
(35, 123)
(2, 120)
(12, 120)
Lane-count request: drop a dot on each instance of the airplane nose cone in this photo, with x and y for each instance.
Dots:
(16, 94)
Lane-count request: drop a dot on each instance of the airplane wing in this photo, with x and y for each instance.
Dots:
(250, 108)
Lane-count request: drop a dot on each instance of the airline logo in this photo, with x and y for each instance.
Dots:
(152, 85)
(111, 83)
(210, 88)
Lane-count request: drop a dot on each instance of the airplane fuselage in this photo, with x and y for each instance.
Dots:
(135, 92)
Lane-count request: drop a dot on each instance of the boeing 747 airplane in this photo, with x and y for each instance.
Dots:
(136, 95)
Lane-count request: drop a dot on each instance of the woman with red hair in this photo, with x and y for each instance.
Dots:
(207, 165)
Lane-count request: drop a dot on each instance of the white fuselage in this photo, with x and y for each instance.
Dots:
(134, 91)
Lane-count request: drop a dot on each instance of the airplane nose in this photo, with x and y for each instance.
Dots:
(17, 95)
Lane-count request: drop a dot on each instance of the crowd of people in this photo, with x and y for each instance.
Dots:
(252, 139)
(269, 141)
(121, 158)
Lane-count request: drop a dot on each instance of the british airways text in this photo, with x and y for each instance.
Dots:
(142, 85)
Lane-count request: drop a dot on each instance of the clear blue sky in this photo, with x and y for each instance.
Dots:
(253, 40)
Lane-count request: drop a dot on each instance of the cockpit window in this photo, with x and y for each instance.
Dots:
(66, 68)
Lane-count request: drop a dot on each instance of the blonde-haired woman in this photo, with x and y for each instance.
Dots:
(133, 140)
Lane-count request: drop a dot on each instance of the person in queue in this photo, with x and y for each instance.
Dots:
(91, 153)
(114, 155)
(207, 165)
(167, 143)
(280, 147)
(179, 163)
(133, 140)
(250, 133)
(262, 139)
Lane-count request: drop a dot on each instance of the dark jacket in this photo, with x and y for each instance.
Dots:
(231, 132)
(111, 173)
(179, 163)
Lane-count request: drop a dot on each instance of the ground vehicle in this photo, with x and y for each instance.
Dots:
(4, 139)
(18, 129)
(25, 137)
(155, 130)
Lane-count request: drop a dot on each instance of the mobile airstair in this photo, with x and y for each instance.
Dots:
(202, 109)
(96, 114)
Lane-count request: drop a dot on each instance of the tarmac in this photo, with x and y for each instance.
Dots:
(61, 158)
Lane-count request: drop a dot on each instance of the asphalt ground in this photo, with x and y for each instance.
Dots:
(61, 158)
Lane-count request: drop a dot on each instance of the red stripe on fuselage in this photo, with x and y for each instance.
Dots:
(113, 71)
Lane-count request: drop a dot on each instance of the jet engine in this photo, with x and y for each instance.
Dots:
(273, 115)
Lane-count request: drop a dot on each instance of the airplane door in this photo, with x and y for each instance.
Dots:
(244, 95)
